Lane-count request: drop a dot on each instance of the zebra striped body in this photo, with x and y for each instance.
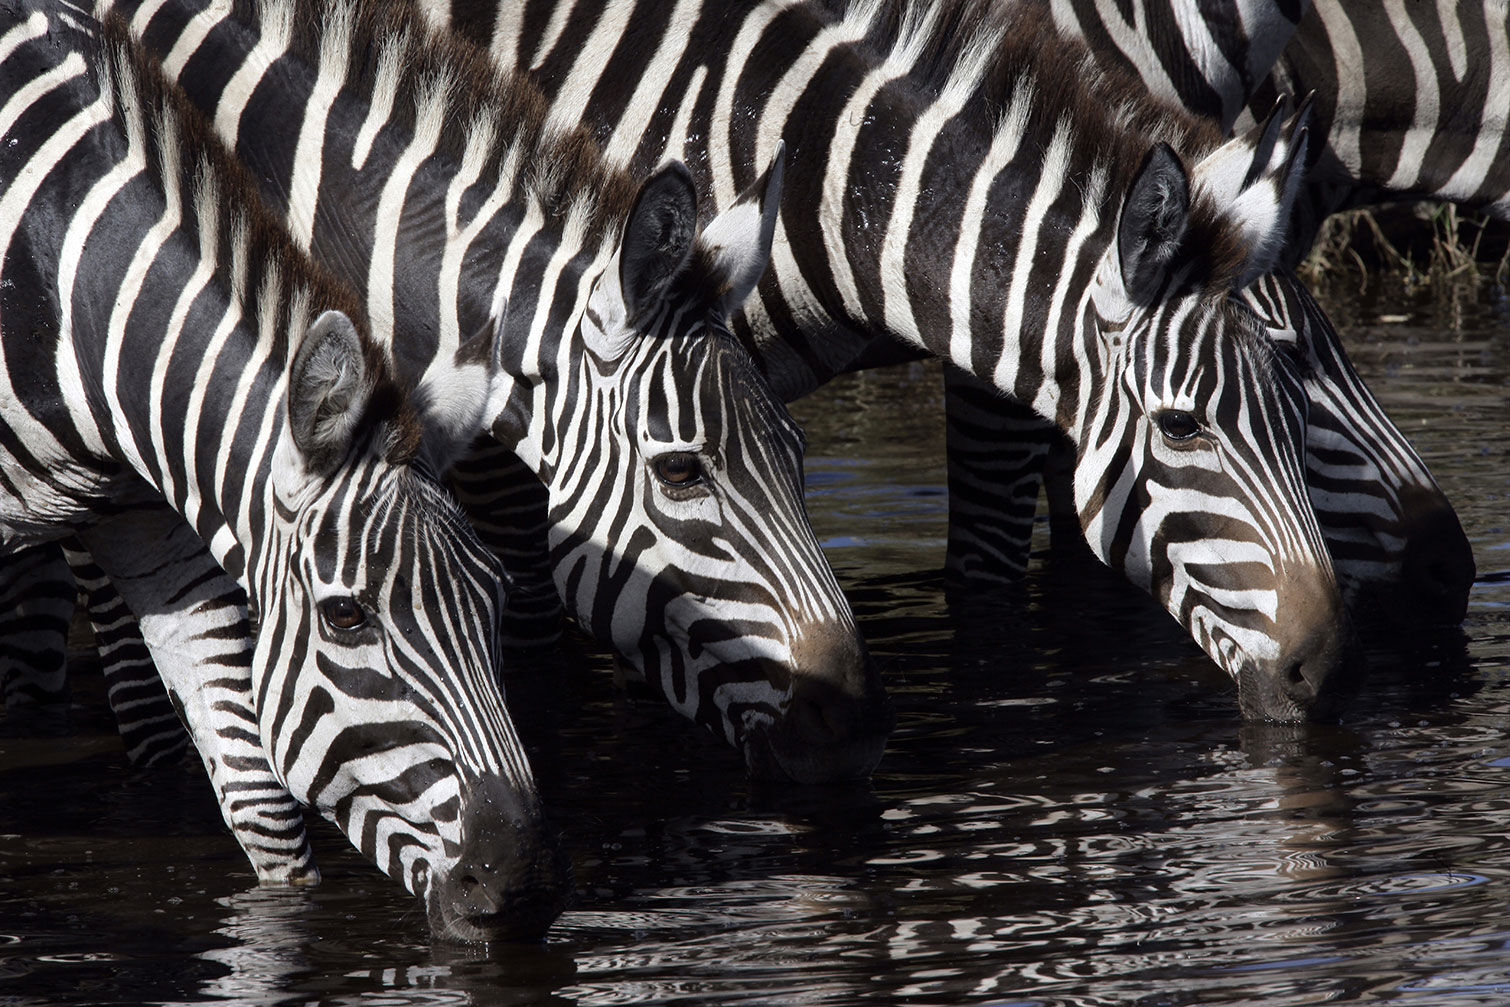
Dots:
(973, 201)
(1413, 98)
(1207, 58)
(677, 529)
(194, 401)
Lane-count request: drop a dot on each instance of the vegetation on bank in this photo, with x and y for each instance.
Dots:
(1432, 244)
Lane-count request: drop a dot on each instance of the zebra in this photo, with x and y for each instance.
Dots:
(923, 116)
(678, 532)
(199, 405)
(1436, 130)
(1396, 542)
(1398, 546)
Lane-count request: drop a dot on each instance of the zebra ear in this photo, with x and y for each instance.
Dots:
(657, 236)
(329, 385)
(1255, 178)
(1153, 222)
(740, 237)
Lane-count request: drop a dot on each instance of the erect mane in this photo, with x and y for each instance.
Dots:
(274, 282)
(985, 50)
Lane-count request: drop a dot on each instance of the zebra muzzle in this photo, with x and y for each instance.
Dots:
(834, 724)
(511, 878)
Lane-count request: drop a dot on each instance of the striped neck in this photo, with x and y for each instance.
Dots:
(425, 156)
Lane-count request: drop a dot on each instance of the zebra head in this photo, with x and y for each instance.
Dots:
(377, 607)
(679, 531)
(1396, 542)
(1190, 475)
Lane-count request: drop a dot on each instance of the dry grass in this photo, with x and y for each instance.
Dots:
(1429, 244)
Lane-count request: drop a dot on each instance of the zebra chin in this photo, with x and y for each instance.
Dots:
(510, 879)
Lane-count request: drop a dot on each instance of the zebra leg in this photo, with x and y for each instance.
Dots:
(144, 713)
(996, 449)
(508, 507)
(37, 596)
(194, 620)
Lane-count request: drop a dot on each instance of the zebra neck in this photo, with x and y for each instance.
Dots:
(436, 191)
(205, 298)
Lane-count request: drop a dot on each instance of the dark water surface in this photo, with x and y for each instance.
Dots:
(1068, 813)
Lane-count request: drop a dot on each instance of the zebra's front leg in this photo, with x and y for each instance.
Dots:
(144, 715)
(37, 596)
(509, 508)
(996, 450)
(194, 620)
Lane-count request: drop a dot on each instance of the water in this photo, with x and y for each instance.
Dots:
(1069, 812)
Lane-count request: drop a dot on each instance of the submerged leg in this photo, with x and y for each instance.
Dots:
(37, 596)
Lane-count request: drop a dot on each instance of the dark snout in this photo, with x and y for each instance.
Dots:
(511, 879)
(1302, 682)
(835, 722)
(1438, 567)
(1407, 570)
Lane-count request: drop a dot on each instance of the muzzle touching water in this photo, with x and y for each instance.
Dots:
(1302, 681)
(834, 722)
(511, 878)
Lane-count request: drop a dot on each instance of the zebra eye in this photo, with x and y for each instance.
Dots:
(1178, 425)
(679, 468)
(343, 613)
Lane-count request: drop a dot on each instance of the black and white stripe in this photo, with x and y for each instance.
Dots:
(1412, 98)
(676, 524)
(193, 399)
(970, 176)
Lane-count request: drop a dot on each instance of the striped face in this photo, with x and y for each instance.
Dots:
(377, 674)
(1190, 481)
(679, 531)
(1190, 476)
(1397, 545)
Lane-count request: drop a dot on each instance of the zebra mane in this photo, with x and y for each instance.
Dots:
(505, 118)
(984, 52)
(274, 282)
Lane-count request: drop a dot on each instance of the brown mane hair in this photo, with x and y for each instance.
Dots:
(243, 219)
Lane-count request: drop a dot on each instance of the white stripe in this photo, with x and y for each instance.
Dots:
(1004, 144)
(570, 105)
(720, 163)
(33, 27)
(1417, 141)
(309, 158)
(430, 109)
(272, 44)
(190, 39)
(380, 108)
(648, 93)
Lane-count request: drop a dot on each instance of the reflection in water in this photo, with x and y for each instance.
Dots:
(1069, 811)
